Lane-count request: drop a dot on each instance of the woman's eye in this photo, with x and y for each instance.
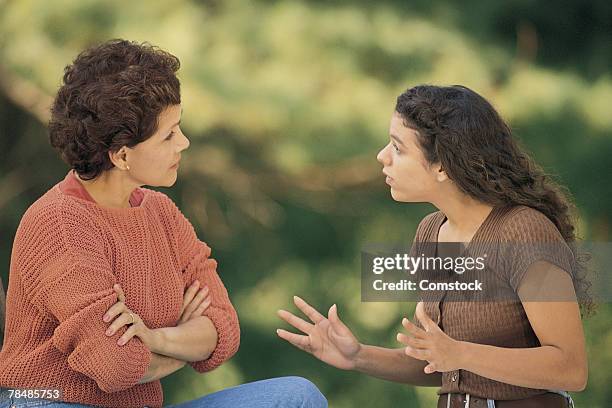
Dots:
(397, 150)
(170, 136)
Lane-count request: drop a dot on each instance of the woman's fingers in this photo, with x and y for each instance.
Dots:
(203, 306)
(413, 329)
(197, 300)
(124, 319)
(411, 341)
(295, 321)
(308, 310)
(336, 323)
(129, 333)
(199, 310)
(416, 353)
(119, 291)
(190, 293)
(114, 310)
(299, 341)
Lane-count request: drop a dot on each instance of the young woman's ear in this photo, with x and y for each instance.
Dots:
(440, 173)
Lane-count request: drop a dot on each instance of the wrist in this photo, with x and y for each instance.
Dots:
(462, 350)
(157, 340)
(360, 358)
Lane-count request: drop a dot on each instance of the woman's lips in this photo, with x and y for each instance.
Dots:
(388, 178)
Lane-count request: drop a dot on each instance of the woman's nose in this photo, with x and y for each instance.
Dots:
(382, 156)
(185, 143)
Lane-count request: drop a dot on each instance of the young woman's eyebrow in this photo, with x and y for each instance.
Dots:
(397, 139)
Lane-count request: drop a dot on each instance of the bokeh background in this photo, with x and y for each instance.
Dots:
(286, 104)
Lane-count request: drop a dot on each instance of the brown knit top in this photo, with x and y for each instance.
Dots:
(497, 323)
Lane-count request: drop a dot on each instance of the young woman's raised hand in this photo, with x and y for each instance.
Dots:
(431, 345)
(328, 339)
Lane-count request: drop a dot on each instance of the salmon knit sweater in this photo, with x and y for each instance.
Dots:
(67, 254)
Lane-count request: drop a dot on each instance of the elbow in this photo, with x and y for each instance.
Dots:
(235, 344)
(232, 339)
(110, 387)
(579, 383)
(226, 337)
(579, 377)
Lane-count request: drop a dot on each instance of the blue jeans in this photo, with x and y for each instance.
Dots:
(289, 392)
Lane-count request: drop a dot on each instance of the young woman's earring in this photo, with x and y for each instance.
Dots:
(127, 167)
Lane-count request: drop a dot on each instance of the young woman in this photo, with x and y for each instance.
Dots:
(110, 289)
(449, 147)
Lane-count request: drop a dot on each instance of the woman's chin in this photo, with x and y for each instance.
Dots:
(395, 195)
(402, 198)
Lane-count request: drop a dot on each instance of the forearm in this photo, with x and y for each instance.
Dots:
(395, 365)
(193, 340)
(545, 367)
(160, 367)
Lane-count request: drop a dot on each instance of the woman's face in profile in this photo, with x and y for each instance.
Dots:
(407, 172)
(154, 161)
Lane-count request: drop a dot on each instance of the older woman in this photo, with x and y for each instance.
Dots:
(110, 289)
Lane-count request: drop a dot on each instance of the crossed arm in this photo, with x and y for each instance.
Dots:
(197, 335)
(193, 339)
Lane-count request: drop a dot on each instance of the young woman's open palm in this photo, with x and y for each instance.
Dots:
(326, 338)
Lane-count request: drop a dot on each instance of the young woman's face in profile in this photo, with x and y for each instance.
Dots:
(154, 161)
(409, 175)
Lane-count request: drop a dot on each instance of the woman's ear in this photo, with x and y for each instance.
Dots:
(119, 158)
(440, 173)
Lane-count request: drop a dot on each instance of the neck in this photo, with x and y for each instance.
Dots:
(463, 213)
(112, 188)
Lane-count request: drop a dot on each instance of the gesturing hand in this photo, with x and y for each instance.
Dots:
(328, 339)
(127, 317)
(431, 344)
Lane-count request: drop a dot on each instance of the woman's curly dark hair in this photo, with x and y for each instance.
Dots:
(111, 96)
(462, 131)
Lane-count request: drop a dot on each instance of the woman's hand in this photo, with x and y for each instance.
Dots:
(127, 317)
(328, 339)
(431, 344)
(195, 302)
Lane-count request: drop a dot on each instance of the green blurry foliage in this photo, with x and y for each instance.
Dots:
(286, 105)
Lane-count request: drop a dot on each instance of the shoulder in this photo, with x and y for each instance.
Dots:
(161, 202)
(54, 225)
(169, 211)
(158, 198)
(523, 223)
(55, 210)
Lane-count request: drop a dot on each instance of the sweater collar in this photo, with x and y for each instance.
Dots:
(72, 186)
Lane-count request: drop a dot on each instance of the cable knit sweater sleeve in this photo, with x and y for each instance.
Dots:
(194, 257)
(67, 276)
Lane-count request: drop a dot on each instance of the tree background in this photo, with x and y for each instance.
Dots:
(286, 104)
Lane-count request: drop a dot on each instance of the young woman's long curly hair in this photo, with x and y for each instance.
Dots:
(462, 131)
